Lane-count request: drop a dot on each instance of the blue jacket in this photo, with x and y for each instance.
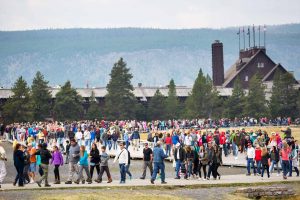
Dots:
(84, 159)
(175, 139)
(158, 155)
(135, 135)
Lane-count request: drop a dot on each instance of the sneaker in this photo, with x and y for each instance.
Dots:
(152, 181)
(142, 177)
(68, 182)
(47, 185)
(278, 175)
(248, 174)
(31, 181)
(164, 182)
(130, 177)
(77, 182)
(236, 158)
(39, 184)
(177, 177)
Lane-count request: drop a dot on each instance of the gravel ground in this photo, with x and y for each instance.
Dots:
(135, 168)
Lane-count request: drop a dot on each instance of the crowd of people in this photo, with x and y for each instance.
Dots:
(196, 151)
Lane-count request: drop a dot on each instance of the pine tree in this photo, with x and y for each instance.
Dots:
(17, 108)
(120, 102)
(68, 104)
(172, 102)
(94, 111)
(256, 100)
(201, 101)
(40, 98)
(283, 101)
(156, 109)
(234, 106)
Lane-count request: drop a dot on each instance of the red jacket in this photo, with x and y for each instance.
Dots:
(222, 138)
(168, 140)
(257, 154)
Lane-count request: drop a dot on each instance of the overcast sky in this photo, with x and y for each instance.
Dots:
(40, 14)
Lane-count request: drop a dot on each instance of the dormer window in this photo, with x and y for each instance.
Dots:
(260, 65)
(246, 78)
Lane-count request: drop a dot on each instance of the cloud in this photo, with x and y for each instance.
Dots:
(36, 14)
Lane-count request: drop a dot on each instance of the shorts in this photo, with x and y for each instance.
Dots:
(32, 167)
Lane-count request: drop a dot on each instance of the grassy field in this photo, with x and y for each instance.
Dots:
(269, 129)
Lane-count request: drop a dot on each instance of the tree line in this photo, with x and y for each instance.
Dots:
(35, 103)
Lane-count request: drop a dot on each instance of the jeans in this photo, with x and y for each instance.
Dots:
(102, 170)
(115, 145)
(225, 149)
(127, 170)
(122, 172)
(190, 168)
(178, 165)
(273, 162)
(235, 149)
(87, 144)
(159, 166)
(250, 161)
(168, 149)
(109, 144)
(285, 167)
(80, 174)
(126, 144)
(258, 165)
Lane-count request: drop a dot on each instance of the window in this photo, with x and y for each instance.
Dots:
(246, 78)
(260, 65)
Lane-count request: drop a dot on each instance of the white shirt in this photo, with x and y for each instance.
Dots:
(87, 135)
(251, 152)
(78, 135)
(122, 156)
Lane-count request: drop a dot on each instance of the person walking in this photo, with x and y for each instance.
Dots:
(73, 160)
(135, 139)
(83, 165)
(284, 153)
(158, 160)
(57, 160)
(104, 166)
(265, 162)
(32, 162)
(274, 160)
(203, 161)
(258, 158)
(19, 164)
(179, 156)
(216, 161)
(122, 158)
(2, 164)
(45, 157)
(250, 159)
(147, 158)
(94, 160)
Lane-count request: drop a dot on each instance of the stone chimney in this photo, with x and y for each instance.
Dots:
(217, 63)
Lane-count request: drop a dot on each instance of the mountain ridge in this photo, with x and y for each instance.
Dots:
(154, 55)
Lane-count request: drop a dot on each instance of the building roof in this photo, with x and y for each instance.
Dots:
(143, 93)
(233, 71)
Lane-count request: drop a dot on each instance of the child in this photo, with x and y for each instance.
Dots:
(104, 166)
(57, 160)
(83, 165)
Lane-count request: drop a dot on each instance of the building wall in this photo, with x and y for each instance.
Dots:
(252, 68)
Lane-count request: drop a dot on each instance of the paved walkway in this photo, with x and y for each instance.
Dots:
(228, 179)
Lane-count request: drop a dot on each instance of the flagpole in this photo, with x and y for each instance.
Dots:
(249, 35)
(259, 36)
(239, 33)
(253, 28)
(265, 36)
(244, 38)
